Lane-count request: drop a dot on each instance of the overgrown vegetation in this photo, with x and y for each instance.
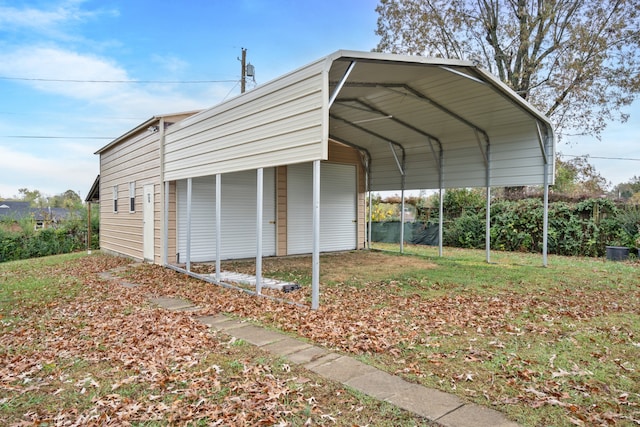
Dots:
(575, 228)
(20, 240)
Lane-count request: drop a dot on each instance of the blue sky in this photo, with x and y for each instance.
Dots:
(169, 41)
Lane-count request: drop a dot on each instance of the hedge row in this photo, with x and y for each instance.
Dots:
(584, 228)
(22, 245)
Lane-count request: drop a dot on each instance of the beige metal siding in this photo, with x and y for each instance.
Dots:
(172, 247)
(281, 210)
(134, 160)
(278, 123)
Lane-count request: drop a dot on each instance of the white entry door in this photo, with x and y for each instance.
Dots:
(148, 219)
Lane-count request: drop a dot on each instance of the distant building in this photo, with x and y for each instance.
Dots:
(12, 212)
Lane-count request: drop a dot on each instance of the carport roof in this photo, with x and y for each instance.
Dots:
(435, 123)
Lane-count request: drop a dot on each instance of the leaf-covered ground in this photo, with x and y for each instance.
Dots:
(557, 346)
(78, 350)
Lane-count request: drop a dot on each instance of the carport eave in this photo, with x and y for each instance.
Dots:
(537, 128)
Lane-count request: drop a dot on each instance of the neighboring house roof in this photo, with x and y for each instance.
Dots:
(19, 210)
(14, 210)
(51, 214)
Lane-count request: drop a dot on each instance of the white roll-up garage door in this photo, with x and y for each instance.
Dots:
(238, 216)
(338, 227)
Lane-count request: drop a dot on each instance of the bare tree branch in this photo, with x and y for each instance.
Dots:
(575, 59)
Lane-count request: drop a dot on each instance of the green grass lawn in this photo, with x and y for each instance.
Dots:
(555, 346)
(76, 349)
(547, 346)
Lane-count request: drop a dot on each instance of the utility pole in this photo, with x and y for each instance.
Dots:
(244, 70)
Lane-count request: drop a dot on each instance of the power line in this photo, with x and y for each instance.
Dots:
(117, 81)
(599, 157)
(54, 137)
(64, 114)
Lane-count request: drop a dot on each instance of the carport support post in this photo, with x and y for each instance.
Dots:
(370, 225)
(259, 192)
(89, 227)
(545, 209)
(218, 225)
(545, 216)
(402, 220)
(441, 199)
(488, 214)
(440, 221)
(315, 257)
(488, 225)
(189, 188)
(165, 225)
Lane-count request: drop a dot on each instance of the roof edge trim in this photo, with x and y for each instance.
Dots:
(142, 126)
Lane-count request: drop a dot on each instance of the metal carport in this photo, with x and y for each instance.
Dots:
(419, 123)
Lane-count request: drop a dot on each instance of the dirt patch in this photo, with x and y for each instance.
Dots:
(355, 266)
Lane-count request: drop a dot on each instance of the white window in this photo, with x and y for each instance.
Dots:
(132, 197)
(115, 199)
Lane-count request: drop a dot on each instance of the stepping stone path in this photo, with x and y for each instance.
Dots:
(443, 408)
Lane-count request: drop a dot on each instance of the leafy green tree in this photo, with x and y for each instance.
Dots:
(629, 190)
(68, 200)
(575, 60)
(34, 197)
(578, 177)
(457, 201)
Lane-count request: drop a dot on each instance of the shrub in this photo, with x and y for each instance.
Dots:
(583, 228)
(70, 236)
(466, 231)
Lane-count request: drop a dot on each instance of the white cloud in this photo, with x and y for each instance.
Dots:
(172, 64)
(57, 64)
(98, 87)
(50, 22)
(69, 170)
